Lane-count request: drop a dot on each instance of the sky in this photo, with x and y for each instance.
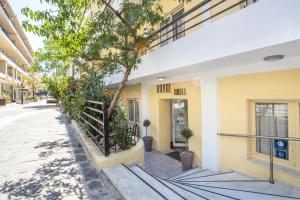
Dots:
(35, 41)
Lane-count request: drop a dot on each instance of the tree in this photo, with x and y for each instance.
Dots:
(110, 37)
(32, 82)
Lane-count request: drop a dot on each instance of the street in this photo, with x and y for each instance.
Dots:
(41, 158)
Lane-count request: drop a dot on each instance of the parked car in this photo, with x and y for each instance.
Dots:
(51, 99)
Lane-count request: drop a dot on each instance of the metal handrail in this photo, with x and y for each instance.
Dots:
(97, 120)
(95, 102)
(271, 138)
(259, 136)
(93, 109)
(158, 34)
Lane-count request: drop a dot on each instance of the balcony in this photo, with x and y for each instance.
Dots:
(10, 25)
(18, 66)
(233, 36)
(11, 45)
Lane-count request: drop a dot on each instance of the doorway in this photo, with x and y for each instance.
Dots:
(179, 120)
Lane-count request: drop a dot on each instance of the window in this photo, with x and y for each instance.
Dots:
(133, 110)
(248, 3)
(177, 29)
(165, 33)
(276, 118)
(272, 120)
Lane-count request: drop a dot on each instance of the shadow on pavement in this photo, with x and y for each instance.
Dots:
(53, 180)
(41, 107)
(51, 147)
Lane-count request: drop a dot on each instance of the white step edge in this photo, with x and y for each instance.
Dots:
(128, 185)
(192, 172)
(168, 193)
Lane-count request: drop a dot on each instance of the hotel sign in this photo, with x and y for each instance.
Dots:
(166, 88)
(163, 88)
(180, 91)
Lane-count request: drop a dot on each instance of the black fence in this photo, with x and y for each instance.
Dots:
(95, 120)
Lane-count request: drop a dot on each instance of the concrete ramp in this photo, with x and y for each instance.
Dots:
(133, 182)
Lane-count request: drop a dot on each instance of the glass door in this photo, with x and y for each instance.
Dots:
(179, 121)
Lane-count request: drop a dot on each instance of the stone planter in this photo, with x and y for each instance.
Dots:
(187, 158)
(148, 143)
(2, 102)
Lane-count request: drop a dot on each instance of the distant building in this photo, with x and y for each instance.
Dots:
(16, 54)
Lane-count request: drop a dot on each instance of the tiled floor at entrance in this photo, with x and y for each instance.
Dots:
(161, 165)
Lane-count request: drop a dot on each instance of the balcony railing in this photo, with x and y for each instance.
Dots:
(192, 19)
(7, 15)
(95, 120)
(12, 40)
(12, 59)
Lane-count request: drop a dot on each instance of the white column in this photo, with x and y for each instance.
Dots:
(210, 122)
(144, 106)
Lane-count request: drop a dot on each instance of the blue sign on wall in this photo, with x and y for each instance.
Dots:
(281, 144)
(281, 148)
(281, 154)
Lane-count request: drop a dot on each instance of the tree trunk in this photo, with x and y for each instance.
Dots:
(117, 95)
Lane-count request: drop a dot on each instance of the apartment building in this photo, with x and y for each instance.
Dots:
(15, 53)
(230, 71)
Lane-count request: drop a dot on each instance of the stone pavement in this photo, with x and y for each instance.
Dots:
(161, 165)
(41, 158)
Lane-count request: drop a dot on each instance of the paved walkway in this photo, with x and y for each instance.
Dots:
(161, 165)
(41, 158)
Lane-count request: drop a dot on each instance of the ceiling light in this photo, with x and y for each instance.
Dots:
(161, 78)
(273, 58)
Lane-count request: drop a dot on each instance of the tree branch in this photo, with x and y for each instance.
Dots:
(118, 14)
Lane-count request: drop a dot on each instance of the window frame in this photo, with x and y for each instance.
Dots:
(162, 37)
(176, 27)
(135, 107)
(293, 131)
(169, 18)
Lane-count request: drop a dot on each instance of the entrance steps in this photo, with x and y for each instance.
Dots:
(134, 183)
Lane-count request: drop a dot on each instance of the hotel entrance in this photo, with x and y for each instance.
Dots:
(179, 120)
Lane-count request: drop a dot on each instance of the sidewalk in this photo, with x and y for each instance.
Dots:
(41, 158)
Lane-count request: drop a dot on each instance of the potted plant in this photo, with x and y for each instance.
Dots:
(187, 157)
(4, 99)
(147, 139)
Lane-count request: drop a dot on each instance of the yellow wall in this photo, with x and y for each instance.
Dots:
(222, 7)
(235, 94)
(159, 115)
(134, 155)
(130, 92)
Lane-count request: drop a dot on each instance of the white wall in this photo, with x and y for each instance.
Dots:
(264, 27)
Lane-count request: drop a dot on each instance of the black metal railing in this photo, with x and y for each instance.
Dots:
(95, 120)
(271, 139)
(193, 18)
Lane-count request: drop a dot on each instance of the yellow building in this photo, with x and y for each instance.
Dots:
(15, 53)
(230, 72)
